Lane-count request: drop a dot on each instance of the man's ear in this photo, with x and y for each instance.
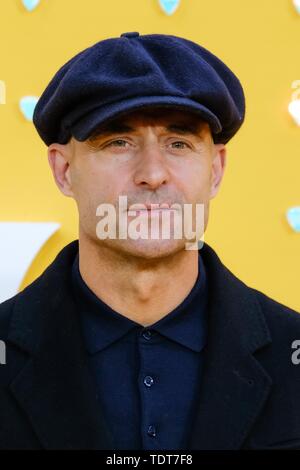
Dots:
(218, 168)
(59, 160)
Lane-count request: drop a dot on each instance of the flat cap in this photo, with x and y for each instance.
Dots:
(133, 71)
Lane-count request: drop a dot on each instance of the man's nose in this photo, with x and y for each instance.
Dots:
(151, 169)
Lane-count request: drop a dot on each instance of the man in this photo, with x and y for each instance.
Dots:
(129, 342)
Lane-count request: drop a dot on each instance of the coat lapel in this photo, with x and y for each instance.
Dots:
(55, 388)
(234, 385)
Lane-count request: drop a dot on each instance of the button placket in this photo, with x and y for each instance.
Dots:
(148, 381)
(151, 431)
(149, 428)
(147, 334)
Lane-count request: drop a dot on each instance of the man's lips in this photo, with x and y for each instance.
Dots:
(148, 212)
(153, 207)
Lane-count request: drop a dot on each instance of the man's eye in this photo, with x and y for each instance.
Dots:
(117, 143)
(122, 143)
(180, 144)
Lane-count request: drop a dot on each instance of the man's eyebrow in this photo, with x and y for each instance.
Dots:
(118, 128)
(190, 128)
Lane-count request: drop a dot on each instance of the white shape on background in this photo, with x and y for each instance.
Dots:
(294, 110)
(30, 4)
(294, 106)
(169, 6)
(27, 105)
(297, 5)
(2, 92)
(19, 244)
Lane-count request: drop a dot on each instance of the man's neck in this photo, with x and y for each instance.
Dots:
(142, 290)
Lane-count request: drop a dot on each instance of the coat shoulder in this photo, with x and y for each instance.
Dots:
(277, 314)
(7, 306)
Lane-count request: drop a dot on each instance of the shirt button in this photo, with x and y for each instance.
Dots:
(148, 381)
(147, 334)
(134, 34)
(151, 430)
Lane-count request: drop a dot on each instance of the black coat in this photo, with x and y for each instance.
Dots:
(250, 395)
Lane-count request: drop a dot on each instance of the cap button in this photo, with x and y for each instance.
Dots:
(134, 34)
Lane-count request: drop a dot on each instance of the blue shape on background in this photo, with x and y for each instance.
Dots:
(169, 6)
(293, 217)
(27, 105)
(30, 4)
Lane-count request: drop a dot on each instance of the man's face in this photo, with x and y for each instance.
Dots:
(151, 156)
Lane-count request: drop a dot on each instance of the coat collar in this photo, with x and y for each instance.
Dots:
(56, 390)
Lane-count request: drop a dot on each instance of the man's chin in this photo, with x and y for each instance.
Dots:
(149, 249)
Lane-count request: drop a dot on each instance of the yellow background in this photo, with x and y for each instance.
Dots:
(258, 39)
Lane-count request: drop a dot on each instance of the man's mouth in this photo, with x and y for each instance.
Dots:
(153, 207)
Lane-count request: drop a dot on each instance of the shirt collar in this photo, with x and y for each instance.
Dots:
(102, 325)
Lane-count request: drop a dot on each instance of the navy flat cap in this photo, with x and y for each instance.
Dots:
(133, 71)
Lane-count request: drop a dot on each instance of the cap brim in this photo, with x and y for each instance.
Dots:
(88, 123)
